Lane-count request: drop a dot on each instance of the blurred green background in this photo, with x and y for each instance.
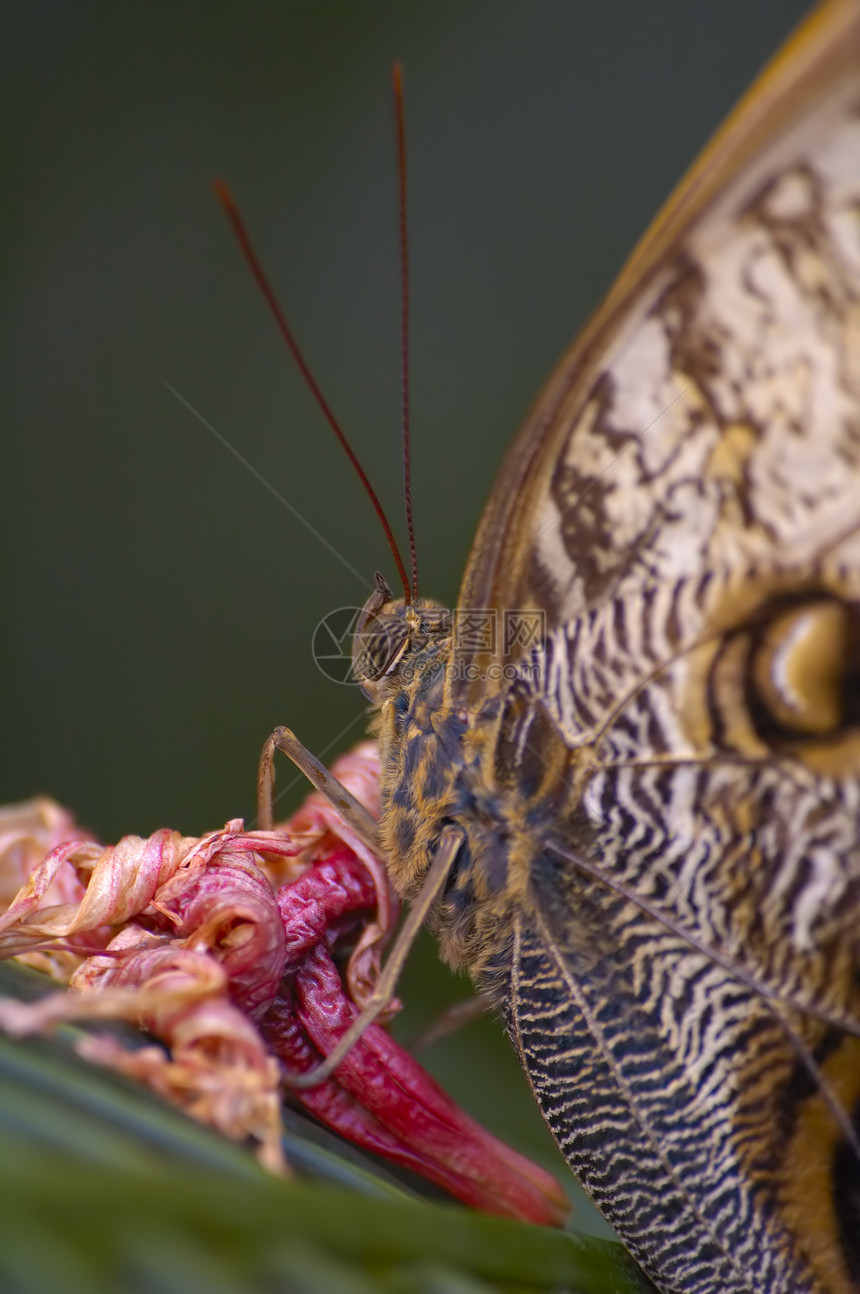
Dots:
(158, 602)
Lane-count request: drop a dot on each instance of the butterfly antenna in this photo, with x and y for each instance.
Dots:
(397, 78)
(227, 201)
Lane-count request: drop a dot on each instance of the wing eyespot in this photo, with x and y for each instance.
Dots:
(787, 682)
(804, 671)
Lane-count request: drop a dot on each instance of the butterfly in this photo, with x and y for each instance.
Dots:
(623, 775)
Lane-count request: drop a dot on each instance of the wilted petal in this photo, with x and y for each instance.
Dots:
(29, 831)
(217, 1070)
(122, 879)
(231, 911)
(315, 905)
(329, 1101)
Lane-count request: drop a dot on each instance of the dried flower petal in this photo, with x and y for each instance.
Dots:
(231, 912)
(28, 832)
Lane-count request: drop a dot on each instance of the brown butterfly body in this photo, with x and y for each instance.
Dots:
(644, 717)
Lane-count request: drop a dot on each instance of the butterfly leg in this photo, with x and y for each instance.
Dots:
(318, 775)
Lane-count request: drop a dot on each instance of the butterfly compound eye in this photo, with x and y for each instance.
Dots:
(378, 647)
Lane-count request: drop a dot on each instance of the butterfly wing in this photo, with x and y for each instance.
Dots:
(566, 510)
(682, 511)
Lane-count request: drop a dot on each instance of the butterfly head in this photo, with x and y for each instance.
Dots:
(392, 639)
